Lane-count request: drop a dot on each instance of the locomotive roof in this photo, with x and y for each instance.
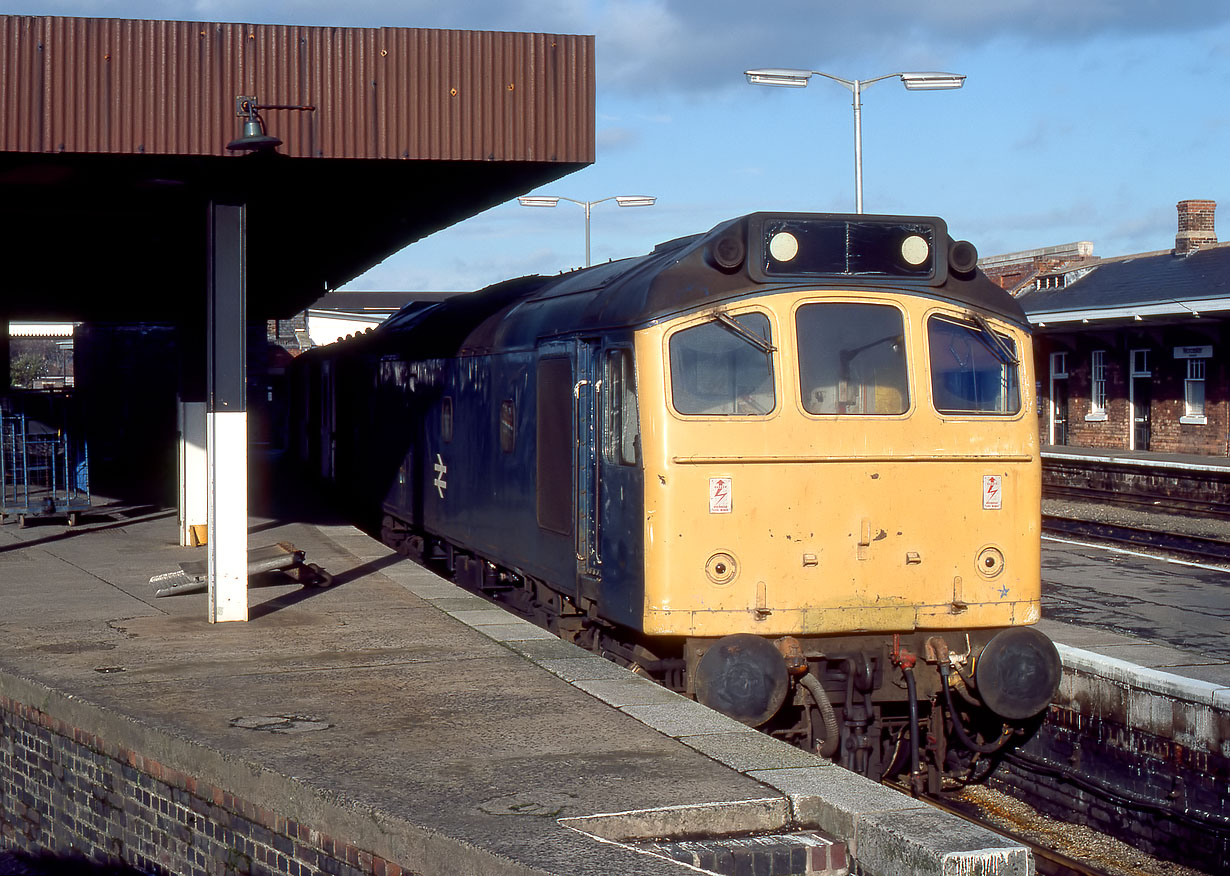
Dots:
(730, 261)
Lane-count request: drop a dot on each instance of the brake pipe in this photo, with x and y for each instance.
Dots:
(962, 735)
(831, 734)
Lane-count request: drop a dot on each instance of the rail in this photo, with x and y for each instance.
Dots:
(1188, 547)
(1155, 502)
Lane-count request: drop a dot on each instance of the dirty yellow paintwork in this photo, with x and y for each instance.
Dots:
(837, 523)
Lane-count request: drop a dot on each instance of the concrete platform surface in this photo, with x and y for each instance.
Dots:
(414, 719)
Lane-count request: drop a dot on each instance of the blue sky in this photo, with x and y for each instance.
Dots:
(1079, 119)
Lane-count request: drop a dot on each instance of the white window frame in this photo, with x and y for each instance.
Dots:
(1097, 394)
(1194, 413)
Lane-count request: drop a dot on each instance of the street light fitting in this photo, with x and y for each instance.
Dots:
(931, 81)
(912, 81)
(537, 201)
(588, 206)
(778, 76)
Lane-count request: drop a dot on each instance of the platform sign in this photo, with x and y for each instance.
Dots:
(1201, 352)
(992, 492)
(719, 495)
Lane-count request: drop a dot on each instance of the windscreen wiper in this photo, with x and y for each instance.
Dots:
(751, 337)
(1006, 354)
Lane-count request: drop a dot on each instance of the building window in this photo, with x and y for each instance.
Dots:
(1140, 364)
(1059, 365)
(1193, 393)
(1097, 406)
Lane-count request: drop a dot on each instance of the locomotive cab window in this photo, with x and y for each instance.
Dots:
(852, 359)
(973, 368)
(723, 367)
(621, 436)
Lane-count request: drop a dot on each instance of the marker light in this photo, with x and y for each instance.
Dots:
(915, 250)
(783, 246)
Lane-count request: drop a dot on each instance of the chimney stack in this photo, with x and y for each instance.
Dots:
(1195, 226)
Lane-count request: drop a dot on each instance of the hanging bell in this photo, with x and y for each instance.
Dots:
(253, 137)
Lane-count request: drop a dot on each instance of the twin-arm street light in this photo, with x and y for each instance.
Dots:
(621, 200)
(912, 81)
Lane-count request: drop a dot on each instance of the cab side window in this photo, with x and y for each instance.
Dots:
(621, 432)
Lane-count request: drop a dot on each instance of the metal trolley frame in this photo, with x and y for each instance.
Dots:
(44, 464)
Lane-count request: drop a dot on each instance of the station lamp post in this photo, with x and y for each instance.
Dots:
(621, 200)
(912, 81)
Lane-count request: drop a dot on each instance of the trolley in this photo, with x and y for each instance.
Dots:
(44, 464)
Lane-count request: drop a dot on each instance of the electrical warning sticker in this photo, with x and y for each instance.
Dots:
(719, 495)
(992, 493)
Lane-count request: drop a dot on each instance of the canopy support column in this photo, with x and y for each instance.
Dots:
(226, 416)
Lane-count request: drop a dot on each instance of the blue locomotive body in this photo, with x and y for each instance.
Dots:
(773, 466)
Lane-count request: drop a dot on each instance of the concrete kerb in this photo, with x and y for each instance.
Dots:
(890, 833)
(676, 822)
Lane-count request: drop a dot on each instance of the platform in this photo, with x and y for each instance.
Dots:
(390, 723)
(1193, 462)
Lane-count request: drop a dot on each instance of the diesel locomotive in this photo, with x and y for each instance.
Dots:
(788, 467)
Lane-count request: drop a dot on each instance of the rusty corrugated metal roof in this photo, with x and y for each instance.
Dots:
(85, 85)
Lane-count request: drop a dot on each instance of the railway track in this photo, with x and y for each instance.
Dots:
(1140, 502)
(1048, 861)
(1059, 848)
(1188, 547)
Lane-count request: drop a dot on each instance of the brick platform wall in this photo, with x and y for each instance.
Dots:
(65, 790)
(1143, 481)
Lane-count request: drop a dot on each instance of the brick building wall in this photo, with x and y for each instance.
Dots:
(1166, 387)
(1010, 276)
(1011, 269)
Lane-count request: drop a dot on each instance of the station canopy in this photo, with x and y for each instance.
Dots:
(114, 136)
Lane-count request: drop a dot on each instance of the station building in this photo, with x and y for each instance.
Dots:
(1131, 351)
